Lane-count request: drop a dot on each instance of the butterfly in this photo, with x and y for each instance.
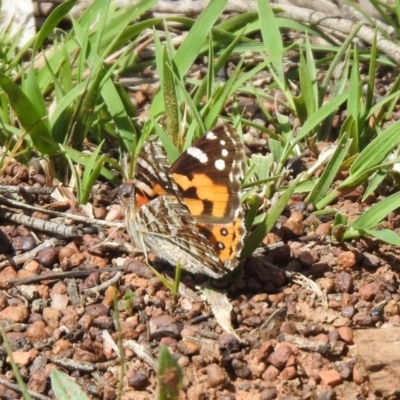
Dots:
(189, 213)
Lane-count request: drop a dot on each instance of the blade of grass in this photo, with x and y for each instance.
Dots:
(30, 118)
(330, 171)
(189, 50)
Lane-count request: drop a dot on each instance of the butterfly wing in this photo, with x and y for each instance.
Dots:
(158, 219)
(208, 175)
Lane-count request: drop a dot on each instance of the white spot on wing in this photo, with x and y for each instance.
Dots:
(224, 152)
(220, 165)
(198, 154)
(222, 142)
(211, 135)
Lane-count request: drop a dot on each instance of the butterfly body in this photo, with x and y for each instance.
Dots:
(189, 213)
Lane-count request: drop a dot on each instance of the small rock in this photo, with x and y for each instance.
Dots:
(270, 374)
(164, 326)
(139, 380)
(66, 252)
(264, 351)
(252, 321)
(269, 394)
(280, 356)
(36, 332)
(346, 334)
(341, 322)
(188, 348)
(241, 369)
(59, 301)
(327, 285)
(23, 357)
(324, 229)
(15, 313)
(347, 259)
(228, 344)
(6, 275)
(344, 282)
(51, 316)
(293, 229)
(96, 310)
(330, 377)
(306, 258)
(345, 368)
(37, 382)
(216, 375)
(348, 312)
(359, 374)
(24, 243)
(370, 290)
(336, 347)
(391, 308)
(362, 319)
(289, 373)
(48, 257)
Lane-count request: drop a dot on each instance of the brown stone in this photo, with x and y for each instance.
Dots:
(330, 377)
(347, 259)
(346, 334)
(216, 375)
(280, 356)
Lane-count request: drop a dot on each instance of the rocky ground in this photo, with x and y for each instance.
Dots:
(71, 305)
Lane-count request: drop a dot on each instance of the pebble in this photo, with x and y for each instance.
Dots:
(36, 332)
(347, 260)
(344, 282)
(280, 356)
(370, 290)
(289, 373)
(270, 374)
(139, 380)
(324, 229)
(48, 257)
(268, 394)
(14, 313)
(241, 369)
(348, 312)
(264, 351)
(362, 319)
(188, 348)
(216, 375)
(346, 334)
(330, 377)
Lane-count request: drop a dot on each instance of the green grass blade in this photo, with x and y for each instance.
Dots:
(121, 110)
(375, 152)
(51, 22)
(330, 171)
(271, 35)
(169, 376)
(65, 388)
(385, 235)
(34, 123)
(189, 50)
(253, 240)
(374, 215)
(315, 119)
(172, 115)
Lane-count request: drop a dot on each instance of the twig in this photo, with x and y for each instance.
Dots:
(62, 275)
(104, 285)
(74, 217)
(29, 254)
(16, 388)
(345, 26)
(40, 224)
(25, 189)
